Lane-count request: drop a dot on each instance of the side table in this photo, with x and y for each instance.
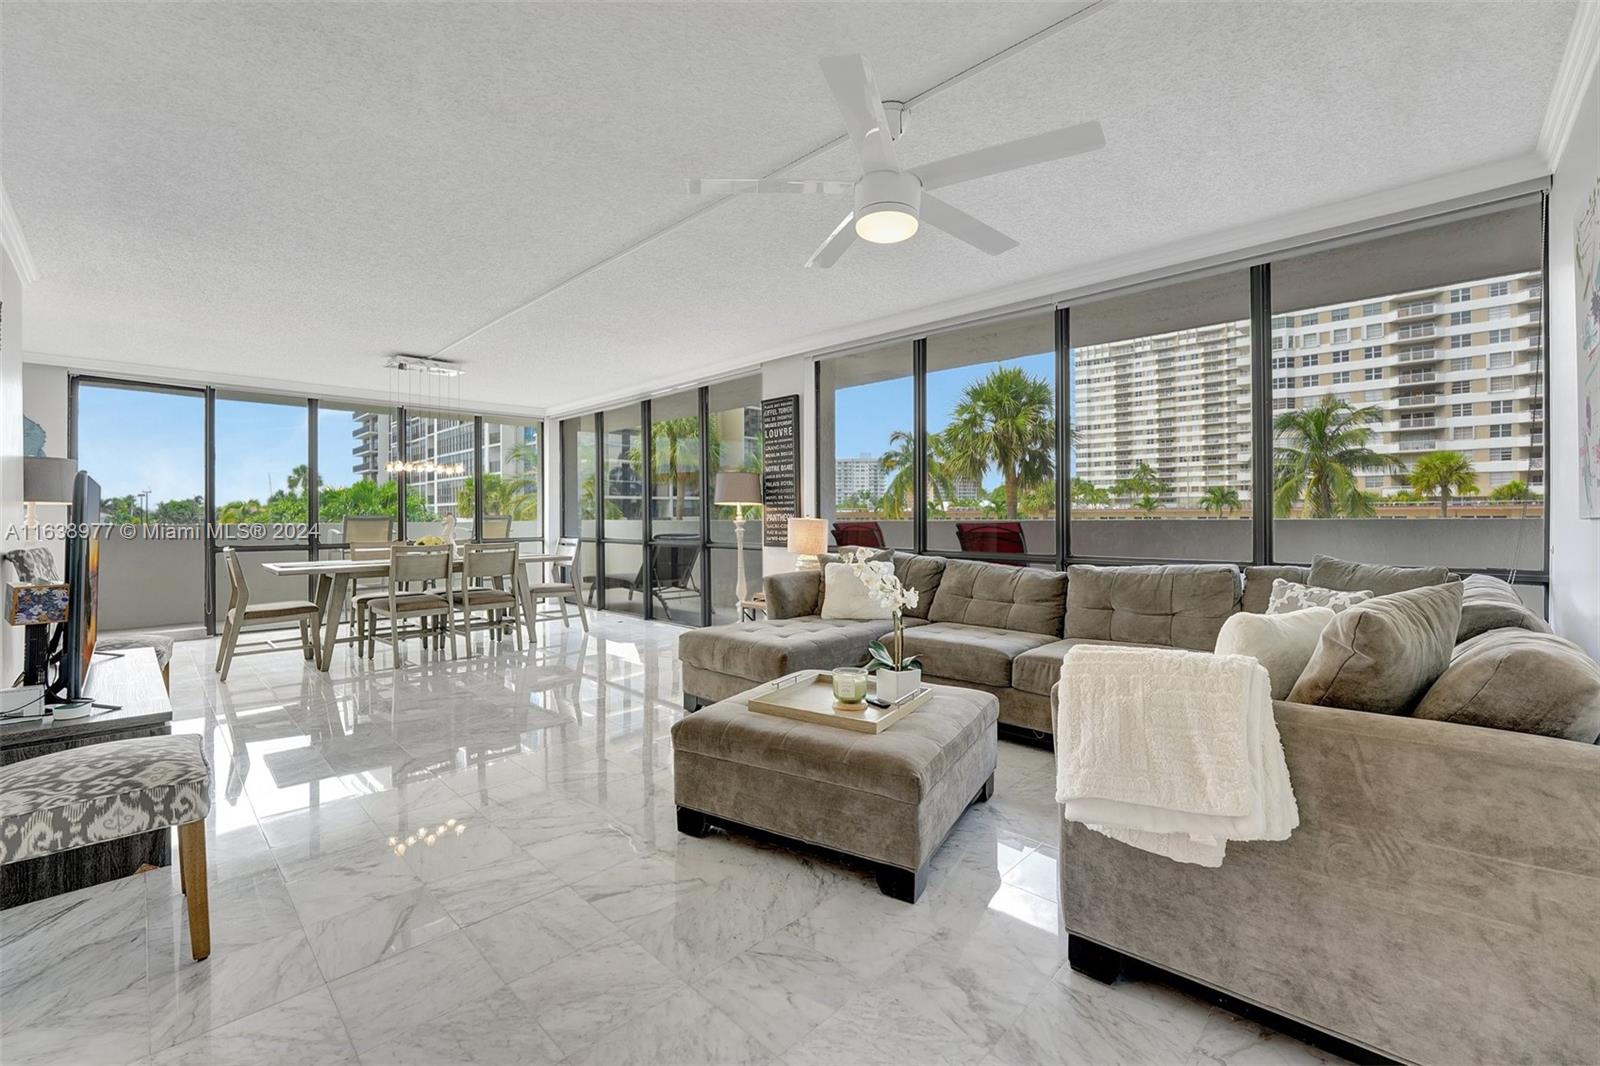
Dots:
(748, 609)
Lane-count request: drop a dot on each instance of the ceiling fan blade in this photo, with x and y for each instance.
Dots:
(1040, 148)
(854, 90)
(964, 227)
(725, 186)
(829, 251)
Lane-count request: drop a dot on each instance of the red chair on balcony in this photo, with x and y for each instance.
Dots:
(858, 535)
(992, 537)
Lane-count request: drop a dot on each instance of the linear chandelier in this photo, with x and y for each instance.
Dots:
(422, 383)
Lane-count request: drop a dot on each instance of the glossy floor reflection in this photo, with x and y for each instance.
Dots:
(476, 862)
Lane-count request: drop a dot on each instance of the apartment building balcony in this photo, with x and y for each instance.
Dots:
(1418, 377)
(1417, 309)
(1422, 399)
(1419, 355)
(1432, 444)
(1414, 422)
(1418, 329)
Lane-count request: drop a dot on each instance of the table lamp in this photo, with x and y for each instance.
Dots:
(808, 539)
(46, 480)
(736, 488)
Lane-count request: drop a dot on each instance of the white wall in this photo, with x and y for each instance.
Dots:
(1574, 542)
(44, 399)
(11, 306)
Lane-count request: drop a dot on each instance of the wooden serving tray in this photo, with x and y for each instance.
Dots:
(808, 697)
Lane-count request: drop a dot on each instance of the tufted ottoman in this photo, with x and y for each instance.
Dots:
(889, 798)
(100, 792)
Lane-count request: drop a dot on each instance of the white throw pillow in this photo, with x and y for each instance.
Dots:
(1283, 642)
(844, 596)
(1289, 596)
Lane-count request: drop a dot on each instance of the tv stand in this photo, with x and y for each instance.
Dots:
(132, 683)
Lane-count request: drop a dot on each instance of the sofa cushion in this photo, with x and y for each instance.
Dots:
(1521, 680)
(1258, 584)
(1038, 669)
(1346, 576)
(1170, 606)
(1283, 643)
(1382, 655)
(793, 593)
(1291, 596)
(1001, 597)
(1490, 603)
(845, 596)
(764, 650)
(980, 654)
(920, 572)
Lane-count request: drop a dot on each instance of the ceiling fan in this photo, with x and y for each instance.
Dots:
(891, 202)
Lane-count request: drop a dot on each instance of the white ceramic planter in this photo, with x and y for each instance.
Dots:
(892, 684)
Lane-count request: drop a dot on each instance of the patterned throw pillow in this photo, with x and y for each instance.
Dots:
(1290, 596)
(34, 566)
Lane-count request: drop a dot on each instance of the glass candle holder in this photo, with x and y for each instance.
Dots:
(850, 684)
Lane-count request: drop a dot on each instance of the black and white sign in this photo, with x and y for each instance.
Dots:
(780, 471)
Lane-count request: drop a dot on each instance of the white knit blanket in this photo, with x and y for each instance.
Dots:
(1175, 752)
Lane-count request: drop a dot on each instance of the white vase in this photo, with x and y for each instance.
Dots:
(893, 684)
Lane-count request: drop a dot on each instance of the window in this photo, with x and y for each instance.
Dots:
(1500, 407)
(1310, 360)
(1283, 403)
(1499, 288)
(1499, 336)
(1309, 320)
(734, 414)
(1310, 340)
(1341, 377)
(1500, 431)
(1277, 344)
(1498, 313)
(1372, 309)
(1371, 353)
(622, 492)
(1340, 314)
(1500, 455)
(445, 440)
(1282, 362)
(1454, 259)
(1161, 384)
(982, 470)
(263, 489)
(865, 412)
(1341, 336)
(1501, 360)
(1341, 357)
(1372, 373)
(512, 475)
(1282, 383)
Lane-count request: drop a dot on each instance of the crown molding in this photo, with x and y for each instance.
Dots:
(1573, 77)
(1238, 246)
(16, 245)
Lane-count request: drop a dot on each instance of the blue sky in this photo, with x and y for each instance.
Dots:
(130, 441)
(865, 415)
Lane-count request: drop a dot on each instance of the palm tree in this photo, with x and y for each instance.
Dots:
(1512, 492)
(900, 462)
(1220, 498)
(299, 478)
(1089, 494)
(1443, 474)
(1005, 420)
(1142, 487)
(1316, 455)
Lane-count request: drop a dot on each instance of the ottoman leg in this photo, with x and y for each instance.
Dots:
(1093, 960)
(693, 823)
(985, 792)
(896, 882)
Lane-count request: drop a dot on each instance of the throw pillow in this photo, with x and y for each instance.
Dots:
(844, 596)
(1280, 641)
(1382, 655)
(1330, 573)
(1291, 596)
(1519, 680)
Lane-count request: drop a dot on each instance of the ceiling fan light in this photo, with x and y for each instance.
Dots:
(889, 224)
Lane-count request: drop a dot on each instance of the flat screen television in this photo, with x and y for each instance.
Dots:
(83, 597)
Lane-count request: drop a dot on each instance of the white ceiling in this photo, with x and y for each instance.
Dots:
(286, 193)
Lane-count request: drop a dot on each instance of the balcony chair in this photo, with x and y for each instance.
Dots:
(674, 558)
(562, 586)
(411, 564)
(858, 534)
(489, 584)
(241, 612)
(993, 538)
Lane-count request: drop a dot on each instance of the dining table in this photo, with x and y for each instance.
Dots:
(334, 578)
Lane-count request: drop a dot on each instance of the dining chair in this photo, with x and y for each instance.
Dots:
(489, 584)
(241, 612)
(366, 536)
(411, 564)
(494, 527)
(562, 586)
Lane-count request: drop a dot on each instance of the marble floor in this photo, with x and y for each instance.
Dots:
(476, 862)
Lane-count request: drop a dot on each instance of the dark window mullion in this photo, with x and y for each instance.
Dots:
(646, 493)
(1063, 438)
(1261, 413)
(919, 451)
(707, 480)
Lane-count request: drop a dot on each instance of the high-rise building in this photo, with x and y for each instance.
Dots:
(1457, 367)
(857, 474)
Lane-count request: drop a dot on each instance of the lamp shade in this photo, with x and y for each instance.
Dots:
(735, 488)
(808, 536)
(48, 480)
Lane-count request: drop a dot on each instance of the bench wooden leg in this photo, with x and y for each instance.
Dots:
(192, 870)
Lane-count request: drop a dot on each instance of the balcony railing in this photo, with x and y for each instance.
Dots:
(1419, 355)
(1425, 399)
(1418, 445)
(1420, 329)
(1418, 422)
(1418, 377)
(1416, 310)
